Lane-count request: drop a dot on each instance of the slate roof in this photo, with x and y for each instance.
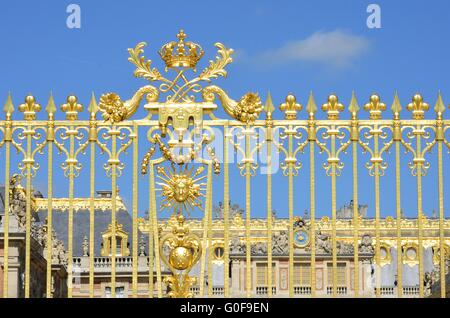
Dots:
(81, 227)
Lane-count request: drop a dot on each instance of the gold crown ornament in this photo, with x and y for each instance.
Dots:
(181, 53)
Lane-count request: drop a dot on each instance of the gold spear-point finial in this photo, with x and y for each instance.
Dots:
(333, 107)
(290, 107)
(353, 107)
(9, 107)
(439, 108)
(375, 107)
(29, 108)
(51, 106)
(93, 107)
(311, 106)
(269, 107)
(72, 108)
(396, 106)
(418, 107)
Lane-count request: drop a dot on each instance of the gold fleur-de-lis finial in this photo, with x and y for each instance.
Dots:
(72, 108)
(333, 107)
(30, 108)
(418, 107)
(290, 107)
(375, 107)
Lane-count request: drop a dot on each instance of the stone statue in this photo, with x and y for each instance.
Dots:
(344, 248)
(259, 248)
(142, 246)
(366, 247)
(18, 201)
(236, 247)
(234, 210)
(323, 243)
(280, 243)
(85, 246)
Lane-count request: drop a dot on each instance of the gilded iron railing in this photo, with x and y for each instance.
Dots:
(176, 246)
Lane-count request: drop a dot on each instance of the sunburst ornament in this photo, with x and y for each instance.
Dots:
(181, 189)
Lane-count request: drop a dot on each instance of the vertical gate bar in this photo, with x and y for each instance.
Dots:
(91, 219)
(419, 212)
(354, 139)
(355, 217)
(49, 211)
(377, 218)
(269, 205)
(226, 213)
(155, 230)
(397, 139)
(70, 210)
(135, 212)
(93, 108)
(248, 270)
(151, 249)
(113, 246)
(312, 179)
(399, 220)
(29, 133)
(203, 256)
(291, 212)
(208, 209)
(441, 220)
(333, 211)
(7, 138)
(311, 108)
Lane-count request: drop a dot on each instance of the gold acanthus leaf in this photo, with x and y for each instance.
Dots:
(143, 68)
(216, 68)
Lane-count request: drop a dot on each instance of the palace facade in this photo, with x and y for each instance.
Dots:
(238, 279)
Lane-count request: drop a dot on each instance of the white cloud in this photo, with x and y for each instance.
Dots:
(336, 48)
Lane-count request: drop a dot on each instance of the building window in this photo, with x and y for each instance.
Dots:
(121, 239)
(120, 292)
(218, 252)
(262, 274)
(302, 274)
(341, 274)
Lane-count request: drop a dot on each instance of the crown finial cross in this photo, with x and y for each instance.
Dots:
(180, 47)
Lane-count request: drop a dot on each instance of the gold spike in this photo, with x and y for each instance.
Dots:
(269, 108)
(396, 106)
(93, 107)
(51, 107)
(311, 106)
(353, 107)
(440, 106)
(9, 107)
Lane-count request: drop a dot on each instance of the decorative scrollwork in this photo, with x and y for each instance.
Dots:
(246, 110)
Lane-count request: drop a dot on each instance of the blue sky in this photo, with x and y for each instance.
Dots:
(281, 46)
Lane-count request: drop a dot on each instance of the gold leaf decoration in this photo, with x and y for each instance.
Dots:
(143, 67)
(216, 68)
